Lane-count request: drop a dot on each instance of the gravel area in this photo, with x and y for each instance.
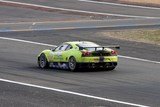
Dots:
(150, 36)
(143, 1)
(150, 3)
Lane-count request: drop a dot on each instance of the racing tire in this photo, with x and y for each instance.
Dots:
(42, 61)
(110, 68)
(72, 64)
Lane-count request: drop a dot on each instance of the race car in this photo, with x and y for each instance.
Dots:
(79, 54)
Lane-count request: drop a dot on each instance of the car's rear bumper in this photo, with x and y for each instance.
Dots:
(99, 59)
(97, 65)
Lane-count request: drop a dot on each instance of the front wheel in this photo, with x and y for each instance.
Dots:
(72, 64)
(42, 61)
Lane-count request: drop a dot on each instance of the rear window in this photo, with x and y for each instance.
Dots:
(84, 45)
(87, 44)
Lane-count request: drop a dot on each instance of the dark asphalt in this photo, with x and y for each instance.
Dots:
(13, 95)
(30, 15)
(78, 5)
(132, 81)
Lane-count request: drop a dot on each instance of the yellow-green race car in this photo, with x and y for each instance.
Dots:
(79, 54)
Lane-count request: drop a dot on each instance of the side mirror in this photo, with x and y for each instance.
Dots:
(53, 49)
(117, 47)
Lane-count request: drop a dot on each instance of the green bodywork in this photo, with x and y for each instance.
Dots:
(64, 55)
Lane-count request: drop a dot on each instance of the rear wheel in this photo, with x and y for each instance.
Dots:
(111, 68)
(72, 64)
(42, 61)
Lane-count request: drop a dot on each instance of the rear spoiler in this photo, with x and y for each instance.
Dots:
(103, 47)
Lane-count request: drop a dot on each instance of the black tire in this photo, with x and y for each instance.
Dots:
(110, 68)
(72, 64)
(42, 61)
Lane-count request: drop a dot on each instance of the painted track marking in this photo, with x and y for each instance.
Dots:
(139, 59)
(25, 41)
(71, 10)
(117, 4)
(73, 93)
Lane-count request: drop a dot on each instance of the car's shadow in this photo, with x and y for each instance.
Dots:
(81, 70)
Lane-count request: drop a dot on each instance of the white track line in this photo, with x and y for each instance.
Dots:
(139, 59)
(73, 10)
(43, 44)
(73, 93)
(117, 4)
(25, 41)
(57, 22)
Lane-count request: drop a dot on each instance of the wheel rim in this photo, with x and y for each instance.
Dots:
(42, 61)
(72, 63)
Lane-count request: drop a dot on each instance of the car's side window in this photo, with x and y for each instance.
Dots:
(63, 47)
(68, 47)
(58, 48)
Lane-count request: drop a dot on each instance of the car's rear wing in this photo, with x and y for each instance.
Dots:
(103, 47)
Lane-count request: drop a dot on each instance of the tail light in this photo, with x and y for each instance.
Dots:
(113, 52)
(86, 53)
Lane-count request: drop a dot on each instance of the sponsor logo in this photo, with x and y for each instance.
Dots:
(59, 65)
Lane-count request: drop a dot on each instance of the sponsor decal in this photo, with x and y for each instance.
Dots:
(59, 65)
(108, 59)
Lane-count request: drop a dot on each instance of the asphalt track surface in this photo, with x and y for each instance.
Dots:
(133, 81)
(92, 7)
(30, 15)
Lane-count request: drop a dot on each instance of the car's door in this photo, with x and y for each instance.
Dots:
(57, 57)
(66, 53)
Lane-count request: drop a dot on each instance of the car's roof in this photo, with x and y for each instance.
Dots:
(80, 42)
